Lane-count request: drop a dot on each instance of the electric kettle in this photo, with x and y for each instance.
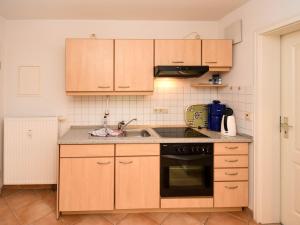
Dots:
(228, 125)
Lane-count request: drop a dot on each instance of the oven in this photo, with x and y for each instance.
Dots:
(186, 169)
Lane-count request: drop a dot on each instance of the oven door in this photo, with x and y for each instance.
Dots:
(186, 175)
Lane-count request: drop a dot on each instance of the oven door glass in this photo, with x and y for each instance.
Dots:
(186, 175)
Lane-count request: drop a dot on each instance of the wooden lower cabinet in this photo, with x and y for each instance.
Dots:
(86, 184)
(137, 182)
(231, 194)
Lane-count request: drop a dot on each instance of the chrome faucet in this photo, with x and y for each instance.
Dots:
(122, 125)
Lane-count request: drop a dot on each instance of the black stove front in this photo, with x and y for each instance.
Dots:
(186, 169)
(178, 132)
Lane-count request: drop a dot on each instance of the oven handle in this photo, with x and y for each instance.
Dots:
(187, 157)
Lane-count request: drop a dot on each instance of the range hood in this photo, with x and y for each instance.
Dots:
(180, 71)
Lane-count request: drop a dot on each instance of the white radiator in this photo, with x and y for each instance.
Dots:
(30, 148)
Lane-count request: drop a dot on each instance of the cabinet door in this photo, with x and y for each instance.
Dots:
(230, 194)
(89, 65)
(217, 53)
(134, 65)
(137, 182)
(178, 52)
(86, 184)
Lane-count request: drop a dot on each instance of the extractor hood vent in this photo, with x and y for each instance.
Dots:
(180, 71)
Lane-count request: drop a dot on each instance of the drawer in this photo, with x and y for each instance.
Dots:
(230, 148)
(230, 194)
(231, 161)
(137, 149)
(240, 174)
(168, 203)
(70, 151)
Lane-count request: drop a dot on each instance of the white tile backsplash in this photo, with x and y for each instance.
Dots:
(171, 94)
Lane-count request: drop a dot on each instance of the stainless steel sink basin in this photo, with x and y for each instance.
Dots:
(136, 133)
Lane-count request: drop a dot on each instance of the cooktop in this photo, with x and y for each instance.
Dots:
(178, 132)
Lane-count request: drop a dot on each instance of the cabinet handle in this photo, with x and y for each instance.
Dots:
(211, 62)
(177, 61)
(128, 162)
(123, 86)
(103, 163)
(231, 187)
(103, 86)
(232, 148)
(231, 160)
(231, 174)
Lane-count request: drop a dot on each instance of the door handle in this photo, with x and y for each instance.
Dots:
(103, 163)
(123, 86)
(127, 162)
(285, 126)
(232, 148)
(103, 86)
(231, 160)
(231, 174)
(231, 187)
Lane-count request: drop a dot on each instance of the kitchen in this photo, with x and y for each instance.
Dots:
(165, 162)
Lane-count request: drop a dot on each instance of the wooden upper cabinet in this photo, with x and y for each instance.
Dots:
(217, 54)
(137, 182)
(89, 65)
(134, 65)
(178, 52)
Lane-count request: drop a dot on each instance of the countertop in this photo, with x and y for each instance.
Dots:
(79, 135)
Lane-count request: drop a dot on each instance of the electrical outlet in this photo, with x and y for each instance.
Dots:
(248, 116)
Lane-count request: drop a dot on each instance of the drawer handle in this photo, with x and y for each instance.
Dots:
(103, 163)
(232, 148)
(231, 187)
(123, 86)
(128, 162)
(103, 86)
(231, 174)
(211, 62)
(177, 61)
(231, 160)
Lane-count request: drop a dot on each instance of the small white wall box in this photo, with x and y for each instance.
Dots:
(234, 32)
(29, 80)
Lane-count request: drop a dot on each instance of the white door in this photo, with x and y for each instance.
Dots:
(290, 135)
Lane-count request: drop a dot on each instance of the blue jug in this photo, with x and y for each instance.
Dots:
(215, 114)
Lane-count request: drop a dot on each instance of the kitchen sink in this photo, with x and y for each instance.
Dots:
(135, 133)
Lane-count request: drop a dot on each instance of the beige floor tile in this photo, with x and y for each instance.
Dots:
(137, 219)
(70, 219)
(32, 212)
(114, 218)
(243, 215)
(49, 219)
(157, 217)
(93, 220)
(180, 219)
(202, 217)
(7, 217)
(21, 198)
(224, 219)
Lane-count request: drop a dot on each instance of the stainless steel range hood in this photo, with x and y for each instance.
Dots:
(180, 71)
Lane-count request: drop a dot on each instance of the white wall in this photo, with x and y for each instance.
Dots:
(256, 15)
(2, 30)
(42, 43)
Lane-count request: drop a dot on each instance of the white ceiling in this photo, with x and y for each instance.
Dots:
(118, 9)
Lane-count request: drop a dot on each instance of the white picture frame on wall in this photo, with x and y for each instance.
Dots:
(29, 81)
